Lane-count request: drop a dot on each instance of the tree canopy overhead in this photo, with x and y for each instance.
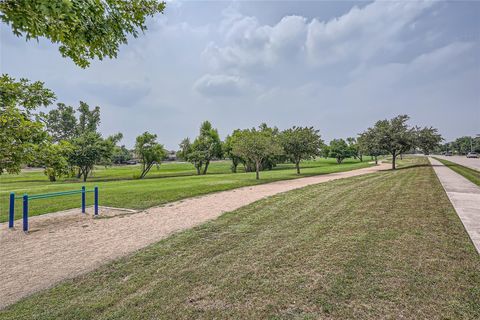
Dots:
(85, 29)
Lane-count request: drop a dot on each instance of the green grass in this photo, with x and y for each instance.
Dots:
(470, 174)
(387, 245)
(173, 181)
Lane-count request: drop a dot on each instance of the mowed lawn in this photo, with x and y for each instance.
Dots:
(386, 245)
(470, 174)
(172, 181)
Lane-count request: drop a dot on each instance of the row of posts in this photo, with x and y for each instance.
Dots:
(25, 207)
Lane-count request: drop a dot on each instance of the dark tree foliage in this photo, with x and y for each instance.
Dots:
(84, 29)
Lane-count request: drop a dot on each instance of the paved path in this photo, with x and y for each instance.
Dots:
(465, 197)
(67, 244)
(472, 163)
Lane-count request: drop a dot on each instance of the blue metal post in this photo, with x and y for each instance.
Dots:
(11, 215)
(83, 199)
(25, 212)
(96, 201)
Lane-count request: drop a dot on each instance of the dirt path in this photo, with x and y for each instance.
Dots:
(66, 244)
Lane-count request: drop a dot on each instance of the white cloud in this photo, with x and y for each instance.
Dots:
(357, 36)
(362, 34)
(221, 85)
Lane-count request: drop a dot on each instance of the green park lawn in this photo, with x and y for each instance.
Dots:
(386, 245)
(172, 181)
(470, 174)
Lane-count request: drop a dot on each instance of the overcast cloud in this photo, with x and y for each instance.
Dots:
(338, 66)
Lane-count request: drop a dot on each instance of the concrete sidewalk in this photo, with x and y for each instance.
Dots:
(465, 198)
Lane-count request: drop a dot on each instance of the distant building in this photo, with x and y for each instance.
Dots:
(171, 155)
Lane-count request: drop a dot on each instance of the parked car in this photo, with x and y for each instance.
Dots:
(448, 153)
(472, 155)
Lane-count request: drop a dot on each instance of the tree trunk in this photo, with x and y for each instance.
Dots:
(401, 156)
(339, 160)
(376, 160)
(85, 174)
(393, 160)
(206, 167)
(257, 165)
(360, 157)
(297, 165)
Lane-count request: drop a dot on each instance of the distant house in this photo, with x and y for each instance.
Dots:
(171, 155)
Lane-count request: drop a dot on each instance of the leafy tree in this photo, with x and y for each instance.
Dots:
(109, 144)
(300, 143)
(255, 146)
(84, 29)
(209, 143)
(61, 123)
(54, 158)
(339, 150)
(325, 151)
(427, 139)
(185, 149)
(204, 148)
(121, 155)
(20, 129)
(395, 136)
(89, 120)
(228, 147)
(88, 150)
(192, 152)
(464, 145)
(355, 150)
(369, 145)
(149, 151)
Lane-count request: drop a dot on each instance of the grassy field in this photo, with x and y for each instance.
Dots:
(388, 245)
(470, 174)
(173, 181)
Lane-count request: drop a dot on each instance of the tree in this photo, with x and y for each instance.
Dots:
(20, 129)
(204, 148)
(427, 139)
(84, 29)
(227, 148)
(369, 145)
(395, 136)
(149, 151)
(109, 145)
(54, 158)
(256, 145)
(121, 155)
(209, 143)
(325, 151)
(355, 150)
(61, 123)
(89, 120)
(300, 143)
(339, 150)
(88, 149)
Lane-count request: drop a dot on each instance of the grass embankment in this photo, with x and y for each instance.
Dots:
(470, 174)
(173, 181)
(386, 245)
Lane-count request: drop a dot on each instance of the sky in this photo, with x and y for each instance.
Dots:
(338, 66)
